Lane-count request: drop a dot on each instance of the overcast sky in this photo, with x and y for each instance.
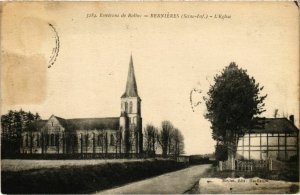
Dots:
(171, 57)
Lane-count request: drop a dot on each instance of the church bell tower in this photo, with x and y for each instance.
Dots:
(130, 119)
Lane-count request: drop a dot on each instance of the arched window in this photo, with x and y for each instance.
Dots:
(112, 140)
(100, 140)
(26, 140)
(130, 107)
(126, 107)
(56, 143)
(52, 140)
(134, 120)
(38, 140)
(47, 139)
(87, 140)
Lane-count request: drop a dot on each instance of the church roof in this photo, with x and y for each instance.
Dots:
(62, 121)
(93, 123)
(273, 125)
(111, 123)
(37, 125)
(131, 87)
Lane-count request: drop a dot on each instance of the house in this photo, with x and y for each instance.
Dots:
(91, 135)
(270, 140)
(275, 138)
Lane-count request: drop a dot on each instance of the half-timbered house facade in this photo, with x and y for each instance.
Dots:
(271, 138)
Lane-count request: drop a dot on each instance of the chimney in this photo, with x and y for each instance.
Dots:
(292, 119)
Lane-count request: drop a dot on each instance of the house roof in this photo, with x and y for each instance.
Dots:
(131, 87)
(273, 125)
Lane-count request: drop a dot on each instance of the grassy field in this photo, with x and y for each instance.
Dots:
(21, 165)
(80, 177)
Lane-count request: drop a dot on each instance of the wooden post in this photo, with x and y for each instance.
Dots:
(120, 142)
(86, 142)
(57, 142)
(249, 147)
(102, 142)
(81, 146)
(31, 142)
(42, 143)
(243, 147)
(106, 144)
(46, 142)
(260, 151)
(270, 164)
(94, 148)
(63, 143)
(116, 144)
(267, 145)
(137, 142)
(297, 145)
(285, 149)
(278, 148)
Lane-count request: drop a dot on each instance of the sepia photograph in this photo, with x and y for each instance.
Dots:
(128, 97)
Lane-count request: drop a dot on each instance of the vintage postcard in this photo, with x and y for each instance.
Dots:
(149, 97)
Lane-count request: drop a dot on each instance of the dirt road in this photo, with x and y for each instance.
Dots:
(169, 183)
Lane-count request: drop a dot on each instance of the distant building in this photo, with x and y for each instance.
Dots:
(91, 135)
(275, 138)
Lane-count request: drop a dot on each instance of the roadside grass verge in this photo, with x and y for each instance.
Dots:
(83, 179)
(289, 173)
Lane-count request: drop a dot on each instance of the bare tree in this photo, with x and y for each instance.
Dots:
(178, 142)
(129, 139)
(165, 136)
(275, 113)
(150, 136)
(285, 114)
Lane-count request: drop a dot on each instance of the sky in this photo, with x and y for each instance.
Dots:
(171, 57)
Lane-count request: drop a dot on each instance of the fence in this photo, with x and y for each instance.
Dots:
(79, 156)
(246, 165)
(179, 158)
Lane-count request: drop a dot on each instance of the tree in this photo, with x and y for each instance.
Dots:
(178, 142)
(130, 139)
(118, 141)
(221, 152)
(165, 136)
(233, 101)
(37, 116)
(13, 124)
(150, 136)
(275, 113)
(170, 139)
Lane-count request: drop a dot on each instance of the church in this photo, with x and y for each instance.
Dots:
(91, 135)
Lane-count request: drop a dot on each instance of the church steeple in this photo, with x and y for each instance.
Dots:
(131, 119)
(131, 87)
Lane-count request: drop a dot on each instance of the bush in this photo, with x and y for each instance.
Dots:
(198, 159)
(221, 152)
(86, 179)
(294, 158)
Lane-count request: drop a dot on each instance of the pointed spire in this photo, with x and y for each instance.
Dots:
(131, 87)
